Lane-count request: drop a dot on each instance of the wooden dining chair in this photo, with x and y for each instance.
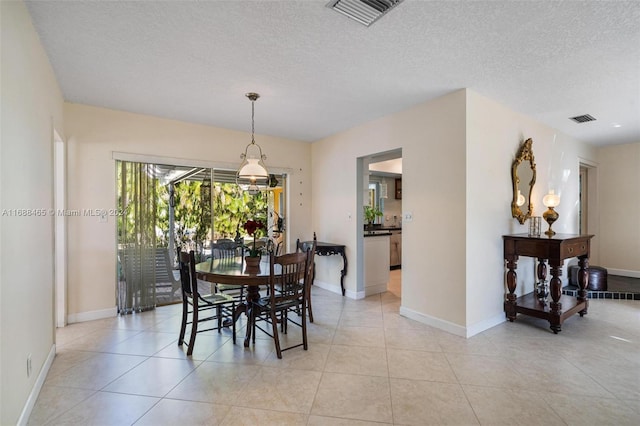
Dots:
(303, 247)
(213, 307)
(227, 251)
(288, 288)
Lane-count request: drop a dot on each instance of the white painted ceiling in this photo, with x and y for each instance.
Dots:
(320, 73)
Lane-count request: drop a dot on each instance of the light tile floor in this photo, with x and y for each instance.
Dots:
(366, 365)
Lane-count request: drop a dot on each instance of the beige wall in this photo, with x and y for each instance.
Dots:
(432, 138)
(95, 133)
(619, 198)
(31, 110)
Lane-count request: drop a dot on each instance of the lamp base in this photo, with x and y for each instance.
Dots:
(550, 216)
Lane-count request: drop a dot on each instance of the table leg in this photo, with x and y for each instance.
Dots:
(253, 294)
(555, 288)
(541, 292)
(512, 276)
(344, 270)
(583, 282)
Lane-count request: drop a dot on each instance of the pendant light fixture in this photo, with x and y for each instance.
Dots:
(252, 175)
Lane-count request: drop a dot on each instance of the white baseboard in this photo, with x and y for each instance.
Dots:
(450, 327)
(623, 272)
(92, 315)
(336, 289)
(485, 325)
(37, 387)
(375, 289)
(447, 326)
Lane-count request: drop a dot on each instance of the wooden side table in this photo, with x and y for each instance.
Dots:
(553, 250)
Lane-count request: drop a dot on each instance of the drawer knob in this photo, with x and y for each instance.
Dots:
(570, 249)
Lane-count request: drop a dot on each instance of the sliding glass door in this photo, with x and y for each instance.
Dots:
(137, 199)
(170, 208)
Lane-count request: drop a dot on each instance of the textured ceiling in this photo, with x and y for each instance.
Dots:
(319, 72)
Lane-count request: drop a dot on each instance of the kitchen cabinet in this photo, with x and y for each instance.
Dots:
(399, 189)
(376, 263)
(395, 249)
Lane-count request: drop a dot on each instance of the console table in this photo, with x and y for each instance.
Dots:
(327, 249)
(553, 250)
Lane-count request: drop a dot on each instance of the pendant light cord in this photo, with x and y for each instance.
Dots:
(253, 141)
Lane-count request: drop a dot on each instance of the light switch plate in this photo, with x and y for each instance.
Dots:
(408, 217)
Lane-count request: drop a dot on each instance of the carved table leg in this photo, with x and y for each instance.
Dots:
(344, 270)
(542, 278)
(510, 302)
(555, 288)
(583, 282)
(253, 294)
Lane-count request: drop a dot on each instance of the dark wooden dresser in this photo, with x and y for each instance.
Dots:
(553, 250)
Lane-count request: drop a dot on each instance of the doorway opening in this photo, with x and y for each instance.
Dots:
(587, 210)
(60, 229)
(382, 184)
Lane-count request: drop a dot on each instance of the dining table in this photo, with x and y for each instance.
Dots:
(235, 271)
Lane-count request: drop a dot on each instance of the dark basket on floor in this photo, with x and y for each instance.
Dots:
(597, 277)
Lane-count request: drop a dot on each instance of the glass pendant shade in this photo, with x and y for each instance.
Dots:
(252, 175)
(551, 199)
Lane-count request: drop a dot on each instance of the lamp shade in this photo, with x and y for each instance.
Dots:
(252, 169)
(551, 199)
(521, 199)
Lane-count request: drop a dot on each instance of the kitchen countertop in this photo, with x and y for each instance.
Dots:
(377, 233)
(380, 230)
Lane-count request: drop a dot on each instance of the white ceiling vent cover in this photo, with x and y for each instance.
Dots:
(364, 11)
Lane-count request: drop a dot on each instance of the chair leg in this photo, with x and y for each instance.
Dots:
(304, 327)
(183, 327)
(194, 331)
(233, 323)
(253, 324)
(310, 309)
(219, 317)
(276, 338)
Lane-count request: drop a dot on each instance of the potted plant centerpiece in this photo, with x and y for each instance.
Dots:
(370, 215)
(253, 227)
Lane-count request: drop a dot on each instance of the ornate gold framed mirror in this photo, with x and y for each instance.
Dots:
(523, 176)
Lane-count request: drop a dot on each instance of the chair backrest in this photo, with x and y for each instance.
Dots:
(310, 247)
(188, 279)
(164, 270)
(290, 273)
(304, 245)
(226, 251)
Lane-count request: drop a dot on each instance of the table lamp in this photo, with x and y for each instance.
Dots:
(551, 200)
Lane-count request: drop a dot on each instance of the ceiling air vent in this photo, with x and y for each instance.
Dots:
(364, 11)
(582, 118)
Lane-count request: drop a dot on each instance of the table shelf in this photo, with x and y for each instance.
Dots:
(531, 306)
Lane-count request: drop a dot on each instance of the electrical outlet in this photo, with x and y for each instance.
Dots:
(28, 365)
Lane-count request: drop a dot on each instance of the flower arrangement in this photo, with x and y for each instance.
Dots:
(252, 227)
